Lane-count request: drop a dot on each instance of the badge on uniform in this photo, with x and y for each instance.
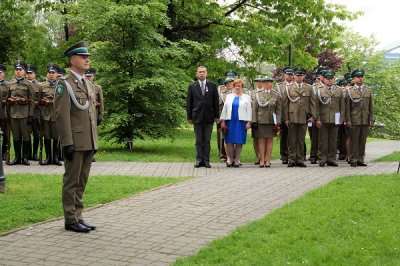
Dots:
(59, 89)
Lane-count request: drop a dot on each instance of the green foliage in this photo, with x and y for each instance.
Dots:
(381, 76)
(393, 157)
(351, 221)
(35, 198)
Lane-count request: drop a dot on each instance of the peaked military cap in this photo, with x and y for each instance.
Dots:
(357, 73)
(259, 78)
(20, 64)
(348, 77)
(230, 73)
(266, 78)
(61, 71)
(329, 73)
(31, 68)
(52, 67)
(288, 70)
(229, 79)
(90, 72)
(221, 81)
(3, 68)
(342, 82)
(299, 71)
(321, 70)
(79, 48)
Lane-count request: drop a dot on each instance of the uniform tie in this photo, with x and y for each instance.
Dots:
(202, 88)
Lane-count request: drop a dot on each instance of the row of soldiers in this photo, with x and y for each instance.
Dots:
(26, 110)
(337, 113)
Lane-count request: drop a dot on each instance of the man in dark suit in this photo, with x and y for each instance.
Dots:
(202, 110)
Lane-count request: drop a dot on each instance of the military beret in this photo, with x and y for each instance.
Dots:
(31, 68)
(357, 73)
(3, 68)
(259, 78)
(266, 78)
(228, 79)
(230, 73)
(288, 70)
(90, 72)
(79, 48)
(20, 64)
(328, 73)
(299, 71)
(52, 67)
(342, 82)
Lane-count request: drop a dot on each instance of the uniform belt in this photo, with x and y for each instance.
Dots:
(19, 101)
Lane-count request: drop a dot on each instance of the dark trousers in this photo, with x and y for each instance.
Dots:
(327, 136)
(284, 141)
(202, 132)
(3, 125)
(296, 139)
(342, 137)
(221, 142)
(313, 132)
(74, 183)
(358, 140)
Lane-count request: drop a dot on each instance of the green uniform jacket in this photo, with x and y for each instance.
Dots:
(301, 104)
(22, 89)
(359, 106)
(328, 103)
(264, 114)
(75, 126)
(3, 99)
(48, 91)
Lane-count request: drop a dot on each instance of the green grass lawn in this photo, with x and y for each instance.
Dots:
(393, 157)
(351, 221)
(35, 198)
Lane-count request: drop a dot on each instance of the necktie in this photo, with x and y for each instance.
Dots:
(202, 88)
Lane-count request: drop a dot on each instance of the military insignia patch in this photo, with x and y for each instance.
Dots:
(59, 89)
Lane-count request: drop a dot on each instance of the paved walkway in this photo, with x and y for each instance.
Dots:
(159, 226)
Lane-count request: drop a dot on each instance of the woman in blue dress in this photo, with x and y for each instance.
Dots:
(236, 118)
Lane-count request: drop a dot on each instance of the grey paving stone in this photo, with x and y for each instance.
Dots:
(159, 226)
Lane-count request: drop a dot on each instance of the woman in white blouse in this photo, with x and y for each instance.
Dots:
(236, 118)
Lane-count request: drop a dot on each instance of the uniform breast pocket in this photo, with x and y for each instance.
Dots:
(81, 97)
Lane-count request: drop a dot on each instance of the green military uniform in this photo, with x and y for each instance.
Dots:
(36, 113)
(330, 107)
(75, 109)
(359, 113)
(222, 92)
(281, 89)
(48, 117)
(22, 102)
(298, 105)
(3, 110)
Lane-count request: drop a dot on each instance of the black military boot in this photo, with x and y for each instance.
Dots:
(26, 150)
(17, 150)
(29, 151)
(35, 149)
(56, 161)
(47, 147)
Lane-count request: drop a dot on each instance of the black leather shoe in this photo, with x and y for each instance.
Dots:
(342, 156)
(207, 165)
(257, 163)
(25, 162)
(77, 227)
(236, 165)
(322, 164)
(301, 165)
(93, 159)
(331, 164)
(91, 227)
(285, 161)
(361, 164)
(198, 164)
(313, 160)
(353, 164)
(291, 165)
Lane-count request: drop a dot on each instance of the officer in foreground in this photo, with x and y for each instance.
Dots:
(75, 107)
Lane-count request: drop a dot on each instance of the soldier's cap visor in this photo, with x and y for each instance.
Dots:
(78, 51)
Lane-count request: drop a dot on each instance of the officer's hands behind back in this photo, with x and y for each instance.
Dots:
(69, 152)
